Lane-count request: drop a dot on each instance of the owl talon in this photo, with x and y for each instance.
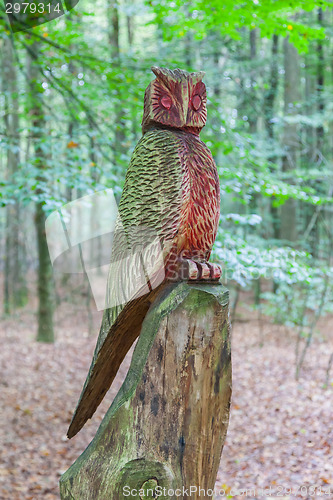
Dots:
(204, 271)
(195, 271)
(215, 271)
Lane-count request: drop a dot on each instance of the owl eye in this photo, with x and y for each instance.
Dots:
(196, 102)
(166, 102)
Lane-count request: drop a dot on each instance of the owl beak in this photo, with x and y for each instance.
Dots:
(184, 102)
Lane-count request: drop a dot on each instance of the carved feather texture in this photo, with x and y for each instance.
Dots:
(170, 204)
(149, 200)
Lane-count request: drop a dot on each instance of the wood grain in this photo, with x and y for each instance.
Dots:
(167, 424)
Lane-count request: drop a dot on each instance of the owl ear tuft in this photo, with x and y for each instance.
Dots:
(197, 76)
(165, 75)
(177, 75)
(158, 72)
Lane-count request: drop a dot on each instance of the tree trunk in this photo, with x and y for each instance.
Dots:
(119, 114)
(113, 19)
(269, 105)
(45, 272)
(216, 42)
(253, 116)
(309, 212)
(320, 89)
(290, 137)
(254, 204)
(270, 95)
(45, 281)
(319, 153)
(15, 287)
(167, 425)
(188, 50)
(130, 23)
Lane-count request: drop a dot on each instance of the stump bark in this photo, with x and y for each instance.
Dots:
(166, 427)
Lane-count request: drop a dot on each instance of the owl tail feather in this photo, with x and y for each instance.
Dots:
(119, 339)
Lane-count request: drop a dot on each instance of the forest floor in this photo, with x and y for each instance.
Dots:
(280, 434)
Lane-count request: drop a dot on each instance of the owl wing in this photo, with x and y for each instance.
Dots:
(149, 217)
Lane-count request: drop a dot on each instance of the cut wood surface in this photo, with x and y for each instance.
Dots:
(167, 425)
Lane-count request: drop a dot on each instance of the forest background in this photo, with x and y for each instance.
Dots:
(70, 113)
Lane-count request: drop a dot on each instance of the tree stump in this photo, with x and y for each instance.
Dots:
(166, 427)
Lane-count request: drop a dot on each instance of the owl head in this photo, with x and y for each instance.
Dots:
(175, 99)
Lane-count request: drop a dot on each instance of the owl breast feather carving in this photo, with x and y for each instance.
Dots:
(171, 201)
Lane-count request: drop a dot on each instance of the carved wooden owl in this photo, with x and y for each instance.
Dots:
(172, 188)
